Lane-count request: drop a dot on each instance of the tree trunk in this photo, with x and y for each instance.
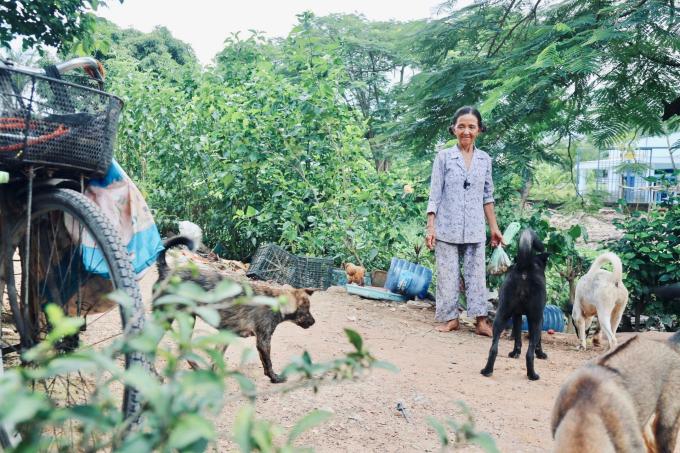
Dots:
(525, 193)
(639, 305)
(382, 165)
(572, 289)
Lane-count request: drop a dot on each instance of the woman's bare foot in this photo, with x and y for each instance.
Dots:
(483, 327)
(449, 326)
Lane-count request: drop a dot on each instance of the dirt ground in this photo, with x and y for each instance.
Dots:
(436, 370)
(599, 226)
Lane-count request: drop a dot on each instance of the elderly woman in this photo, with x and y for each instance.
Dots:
(461, 195)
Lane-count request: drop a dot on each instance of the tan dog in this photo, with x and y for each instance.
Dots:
(606, 405)
(355, 274)
(600, 292)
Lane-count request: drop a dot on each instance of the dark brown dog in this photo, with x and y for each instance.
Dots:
(248, 320)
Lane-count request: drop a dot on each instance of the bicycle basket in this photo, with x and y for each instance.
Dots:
(55, 124)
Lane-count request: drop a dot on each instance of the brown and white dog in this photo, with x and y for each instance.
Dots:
(244, 319)
(609, 404)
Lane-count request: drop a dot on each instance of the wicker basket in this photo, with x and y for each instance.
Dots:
(61, 126)
(271, 262)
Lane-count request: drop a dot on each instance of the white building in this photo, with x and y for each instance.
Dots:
(622, 173)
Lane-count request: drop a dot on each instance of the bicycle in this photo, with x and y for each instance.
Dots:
(56, 246)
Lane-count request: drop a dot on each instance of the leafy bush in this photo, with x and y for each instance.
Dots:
(178, 404)
(265, 153)
(650, 252)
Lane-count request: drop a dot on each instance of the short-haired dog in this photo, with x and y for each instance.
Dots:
(246, 319)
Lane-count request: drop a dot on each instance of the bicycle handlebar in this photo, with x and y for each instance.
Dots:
(91, 66)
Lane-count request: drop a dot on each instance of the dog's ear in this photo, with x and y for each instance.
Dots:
(309, 291)
(544, 257)
(290, 305)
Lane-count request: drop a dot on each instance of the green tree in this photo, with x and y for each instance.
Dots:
(546, 74)
(55, 23)
(157, 52)
(376, 59)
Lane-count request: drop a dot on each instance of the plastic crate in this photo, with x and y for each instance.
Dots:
(67, 128)
(272, 262)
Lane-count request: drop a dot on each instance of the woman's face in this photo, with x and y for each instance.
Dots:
(466, 129)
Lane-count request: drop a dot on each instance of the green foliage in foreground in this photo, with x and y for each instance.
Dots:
(454, 433)
(179, 404)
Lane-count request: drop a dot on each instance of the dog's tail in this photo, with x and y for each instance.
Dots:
(169, 243)
(610, 257)
(528, 242)
(191, 231)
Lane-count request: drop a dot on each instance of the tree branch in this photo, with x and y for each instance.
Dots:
(500, 27)
(532, 13)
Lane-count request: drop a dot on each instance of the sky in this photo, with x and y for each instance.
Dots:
(206, 23)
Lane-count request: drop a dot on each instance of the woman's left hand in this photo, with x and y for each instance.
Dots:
(497, 238)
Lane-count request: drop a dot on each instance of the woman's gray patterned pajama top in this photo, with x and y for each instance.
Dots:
(457, 198)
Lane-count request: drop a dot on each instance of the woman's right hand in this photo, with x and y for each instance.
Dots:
(430, 238)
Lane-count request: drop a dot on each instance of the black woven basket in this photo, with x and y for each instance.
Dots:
(271, 262)
(55, 124)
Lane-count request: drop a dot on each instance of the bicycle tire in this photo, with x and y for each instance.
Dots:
(64, 206)
(4, 440)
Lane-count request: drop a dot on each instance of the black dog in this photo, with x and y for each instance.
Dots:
(522, 293)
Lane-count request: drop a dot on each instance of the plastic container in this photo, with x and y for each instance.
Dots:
(408, 278)
(372, 292)
(379, 278)
(338, 277)
(553, 318)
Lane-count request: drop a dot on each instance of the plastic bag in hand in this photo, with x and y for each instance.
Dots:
(499, 262)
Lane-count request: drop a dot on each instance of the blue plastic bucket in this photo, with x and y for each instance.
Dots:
(408, 278)
(553, 318)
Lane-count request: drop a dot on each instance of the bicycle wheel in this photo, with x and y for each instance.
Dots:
(75, 258)
(4, 435)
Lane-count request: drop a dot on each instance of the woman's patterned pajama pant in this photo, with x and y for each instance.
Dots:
(448, 279)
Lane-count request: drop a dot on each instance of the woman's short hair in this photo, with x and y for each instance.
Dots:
(467, 110)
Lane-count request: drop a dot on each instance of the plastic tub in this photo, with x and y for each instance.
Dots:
(373, 292)
(378, 278)
(553, 318)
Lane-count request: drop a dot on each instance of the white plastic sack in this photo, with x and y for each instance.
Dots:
(500, 261)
